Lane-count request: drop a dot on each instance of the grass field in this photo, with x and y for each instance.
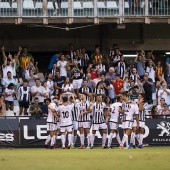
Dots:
(149, 158)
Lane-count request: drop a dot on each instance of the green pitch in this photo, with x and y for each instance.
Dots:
(149, 158)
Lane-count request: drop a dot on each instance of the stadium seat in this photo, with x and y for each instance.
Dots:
(41, 76)
(28, 4)
(101, 5)
(5, 5)
(14, 5)
(64, 5)
(38, 5)
(126, 5)
(88, 5)
(77, 5)
(50, 5)
(111, 5)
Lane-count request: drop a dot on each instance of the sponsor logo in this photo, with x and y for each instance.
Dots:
(165, 128)
(7, 137)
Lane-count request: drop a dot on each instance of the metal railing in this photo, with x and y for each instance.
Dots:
(84, 8)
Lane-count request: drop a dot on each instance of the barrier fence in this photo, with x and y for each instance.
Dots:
(19, 132)
(88, 8)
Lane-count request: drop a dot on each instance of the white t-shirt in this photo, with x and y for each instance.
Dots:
(47, 92)
(40, 89)
(9, 91)
(164, 95)
(67, 87)
(50, 84)
(6, 69)
(51, 118)
(63, 70)
(114, 114)
(160, 109)
(151, 72)
(65, 113)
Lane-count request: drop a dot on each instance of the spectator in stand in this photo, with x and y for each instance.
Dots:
(89, 81)
(134, 93)
(58, 80)
(121, 67)
(62, 65)
(2, 105)
(140, 86)
(110, 75)
(25, 58)
(10, 93)
(161, 105)
(126, 84)
(30, 66)
(112, 53)
(53, 60)
(164, 93)
(38, 91)
(147, 86)
(8, 64)
(96, 55)
(118, 84)
(131, 65)
(151, 70)
(8, 80)
(53, 70)
(67, 87)
(159, 70)
(134, 75)
(50, 83)
(116, 58)
(154, 112)
(160, 81)
(140, 63)
(165, 111)
(100, 66)
(84, 59)
(31, 78)
(92, 70)
(46, 90)
(100, 90)
(168, 71)
(55, 94)
(36, 109)
(71, 52)
(1, 88)
(24, 97)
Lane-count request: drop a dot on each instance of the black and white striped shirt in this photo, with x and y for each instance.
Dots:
(83, 89)
(99, 91)
(98, 113)
(142, 113)
(24, 93)
(83, 107)
(75, 112)
(84, 60)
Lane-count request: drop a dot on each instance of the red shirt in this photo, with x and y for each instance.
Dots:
(118, 84)
(93, 75)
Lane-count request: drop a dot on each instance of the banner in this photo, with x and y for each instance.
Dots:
(33, 133)
(9, 132)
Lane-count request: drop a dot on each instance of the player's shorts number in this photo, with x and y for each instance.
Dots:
(65, 114)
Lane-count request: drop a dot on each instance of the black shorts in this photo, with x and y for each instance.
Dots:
(24, 104)
(9, 102)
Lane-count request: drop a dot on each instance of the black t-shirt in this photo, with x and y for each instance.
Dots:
(147, 87)
(107, 84)
(59, 81)
(1, 88)
(77, 74)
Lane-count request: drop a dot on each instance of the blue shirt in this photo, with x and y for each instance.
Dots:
(168, 60)
(140, 69)
(52, 61)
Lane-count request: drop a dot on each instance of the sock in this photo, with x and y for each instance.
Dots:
(48, 140)
(125, 140)
(141, 139)
(137, 137)
(88, 140)
(110, 140)
(132, 137)
(92, 136)
(54, 138)
(118, 138)
(82, 139)
(104, 138)
(69, 139)
(52, 141)
(74, 139)
(63, 140)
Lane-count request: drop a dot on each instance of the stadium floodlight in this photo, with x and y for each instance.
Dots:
(130, 55)
(167, 53)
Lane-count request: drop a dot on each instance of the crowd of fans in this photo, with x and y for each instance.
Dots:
(74, 72)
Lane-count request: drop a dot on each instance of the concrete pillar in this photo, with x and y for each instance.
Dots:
(19, 7)
(146, 7)
(95, 8)
(70, 8)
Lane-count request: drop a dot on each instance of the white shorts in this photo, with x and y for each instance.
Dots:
(75, 125)
(84, 125)
(77, 83)
(99, 126)
(113, 125)
(134, 123)
(128, 125)
(141, 124)
(66, 129)
(51, 127)
(57, 126)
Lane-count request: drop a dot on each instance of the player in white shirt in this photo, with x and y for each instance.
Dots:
(51, 123)
(114, 116)
(66, 124)
(84, 120)
(128, 110)
(100, 119)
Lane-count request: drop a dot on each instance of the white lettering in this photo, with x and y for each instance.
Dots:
(26, 133)
(40, 131)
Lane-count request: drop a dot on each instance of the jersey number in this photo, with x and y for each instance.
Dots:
(65, 114)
